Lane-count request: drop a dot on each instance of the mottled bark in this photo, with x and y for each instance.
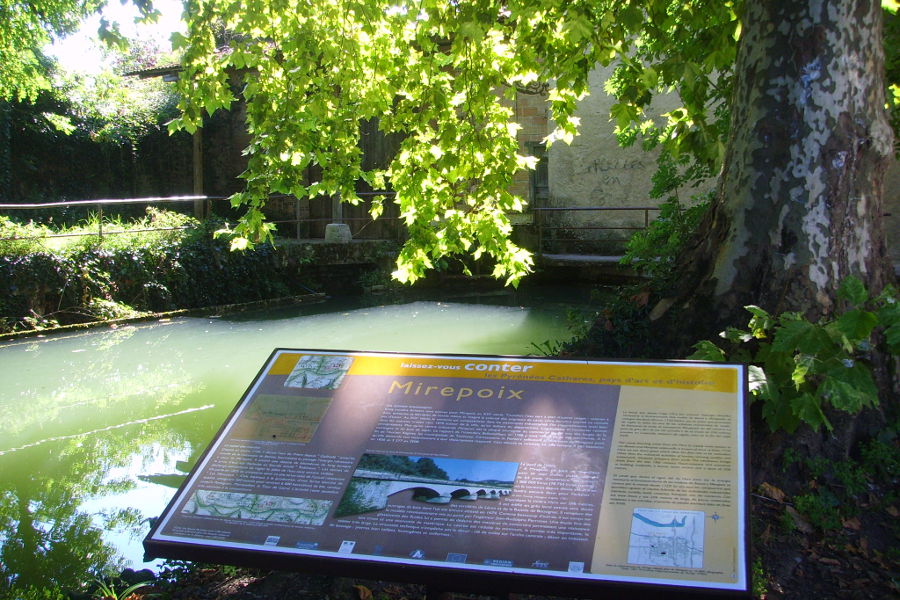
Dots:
(799, 205)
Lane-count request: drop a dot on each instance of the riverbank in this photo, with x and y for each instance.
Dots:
(164, 316)
(164, 263)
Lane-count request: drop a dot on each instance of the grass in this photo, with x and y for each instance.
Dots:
(95, 231)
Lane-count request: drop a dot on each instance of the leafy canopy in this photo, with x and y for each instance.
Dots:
(442, 75)
(26, 27)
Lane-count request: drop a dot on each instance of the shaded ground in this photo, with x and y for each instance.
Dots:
(792, 559)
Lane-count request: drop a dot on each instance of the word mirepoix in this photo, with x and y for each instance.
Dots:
(413, 388)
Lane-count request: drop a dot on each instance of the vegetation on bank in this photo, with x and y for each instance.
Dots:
(48, 281)
(824, 417)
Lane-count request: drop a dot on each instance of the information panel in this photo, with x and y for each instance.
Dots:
(568, 471)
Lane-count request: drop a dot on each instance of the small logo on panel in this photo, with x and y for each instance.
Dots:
(347, 547)
(272, 540)
(576, 567)
(307, 545)
(498, 562)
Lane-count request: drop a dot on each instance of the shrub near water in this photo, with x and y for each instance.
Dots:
(49, 281)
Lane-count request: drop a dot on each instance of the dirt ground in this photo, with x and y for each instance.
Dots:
(797, 561)
(792, 560)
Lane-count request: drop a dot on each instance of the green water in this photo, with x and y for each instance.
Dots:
(97, 429)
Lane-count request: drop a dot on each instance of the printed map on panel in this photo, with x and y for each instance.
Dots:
(258, 507)
(320, 372)
(666, 538)
(282, 418)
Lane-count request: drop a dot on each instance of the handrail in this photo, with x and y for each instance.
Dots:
(148, 200)
(577, 208)
(557, 209)
(541, 226)
(101, 202)
(105, 201)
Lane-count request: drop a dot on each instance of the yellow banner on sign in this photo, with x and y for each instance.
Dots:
(675, 376)
(284, 364)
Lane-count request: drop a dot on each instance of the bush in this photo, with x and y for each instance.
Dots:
(87, 279)
(654, 250)
(797, 367)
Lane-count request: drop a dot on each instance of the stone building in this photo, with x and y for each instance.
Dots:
(594, 172)
(583, 198)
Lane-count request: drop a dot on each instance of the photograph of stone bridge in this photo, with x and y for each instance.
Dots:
(431, 480)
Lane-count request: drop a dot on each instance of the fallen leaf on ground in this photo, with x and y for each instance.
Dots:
(770, 491)
(641, 298)
(364, 592)
(799, 522)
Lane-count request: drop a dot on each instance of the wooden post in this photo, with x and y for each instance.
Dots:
(337, 211)
(198, 172)
(337, 231)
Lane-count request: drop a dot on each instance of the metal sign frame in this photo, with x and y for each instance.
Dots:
(478, 472)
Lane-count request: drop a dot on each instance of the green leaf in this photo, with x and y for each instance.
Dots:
(759, 383)
(60, 123)
(853, 290)
(632, 17)
(803, 337)
(848, 386)
(735, 335)
(649, 77)
(473, 30)
(623, 114)
(889, 317)
(240, 243)
(892, 337)
(761, 321)
(178, 41)
(803, 365)
(779, 414)
(806, 407)
(706, 350)
(856, 324)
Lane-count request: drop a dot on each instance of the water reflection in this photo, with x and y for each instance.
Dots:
(97, 429)
(74, 411)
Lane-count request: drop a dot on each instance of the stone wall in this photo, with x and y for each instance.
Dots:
(594, 171)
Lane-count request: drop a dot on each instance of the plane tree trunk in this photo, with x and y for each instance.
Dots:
(799, 205)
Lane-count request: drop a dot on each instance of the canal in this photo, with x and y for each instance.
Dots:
(98, 428)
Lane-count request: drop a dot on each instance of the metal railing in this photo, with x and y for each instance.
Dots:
(298, 221)
(539, 213)
(304, 223)
(100, 203)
